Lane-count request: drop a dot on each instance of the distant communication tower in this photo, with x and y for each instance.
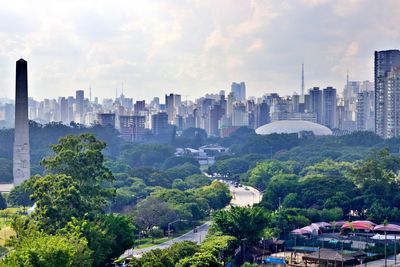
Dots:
(302, 79)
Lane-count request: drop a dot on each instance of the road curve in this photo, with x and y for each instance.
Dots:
(241, 196)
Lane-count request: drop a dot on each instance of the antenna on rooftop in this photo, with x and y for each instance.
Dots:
(302, 79)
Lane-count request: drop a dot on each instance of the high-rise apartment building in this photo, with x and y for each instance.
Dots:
(239, 91)
(365, 112)
(386, 63)
(63, 110)
(215, 114)
(316, 103)
(239, 115)
(9, 114)
(79, 106)
(132, 128)
(261, 114)
(329, 107)
(139, 106)
(350, 102)
(106, 119)
(393, 103)
(159, 124)
(172, 103)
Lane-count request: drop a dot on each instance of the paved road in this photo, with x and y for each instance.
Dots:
(240, 197)
(243, 197)
(189, 236)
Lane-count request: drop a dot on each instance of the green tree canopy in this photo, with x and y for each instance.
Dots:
(241, 222)
(200, 259)
(260, 175)
(21, 194)
(81, 158)
(58, 199)
(108, 236)
(40, 249)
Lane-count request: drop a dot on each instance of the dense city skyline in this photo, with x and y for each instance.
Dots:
(191, 133)
(150, 48)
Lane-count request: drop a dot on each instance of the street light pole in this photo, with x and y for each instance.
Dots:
(244, 248)
(395, 250)
(385, 249)
(171, 223)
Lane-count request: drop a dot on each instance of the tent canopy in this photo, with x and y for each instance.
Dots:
(388, 227)
(359, 225)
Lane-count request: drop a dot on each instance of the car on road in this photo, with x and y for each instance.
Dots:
(246, 188)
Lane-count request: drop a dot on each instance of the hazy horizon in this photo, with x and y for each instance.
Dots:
(151, 48)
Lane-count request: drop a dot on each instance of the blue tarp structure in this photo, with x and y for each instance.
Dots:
(275, 260)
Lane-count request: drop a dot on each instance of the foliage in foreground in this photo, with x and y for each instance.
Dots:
(33, 247)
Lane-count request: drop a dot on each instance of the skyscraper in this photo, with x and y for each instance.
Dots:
(159, 125)
(329, 107)
(215, 114)
(385, 62)
(63, 109)
(262, 113)
(21, 161)
(139, 106)
(365, 113)
(132, 128)
(239, 91)
(392, 83)
(351, 92)
(79, 106)
(172, 103)
(106, 119)
(239, 115)
(316, 103)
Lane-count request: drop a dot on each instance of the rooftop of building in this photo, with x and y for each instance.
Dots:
(293, 126)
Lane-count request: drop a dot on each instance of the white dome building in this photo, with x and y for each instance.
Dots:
(293, 126)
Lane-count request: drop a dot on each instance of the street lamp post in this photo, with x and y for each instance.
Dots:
(244, 248)
(171, 223)
(395, 250)
(385, 249)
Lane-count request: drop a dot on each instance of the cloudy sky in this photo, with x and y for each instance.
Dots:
(191, 46)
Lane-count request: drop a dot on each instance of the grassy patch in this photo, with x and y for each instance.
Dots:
(5, 233)
(149, 242)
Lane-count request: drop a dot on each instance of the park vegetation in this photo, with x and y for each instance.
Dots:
(76, 192)
(102, 198)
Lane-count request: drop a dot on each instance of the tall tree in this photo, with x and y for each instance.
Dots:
(108, 236)
(241, 222)
(80, 157)
(40, 249)
(58, 199)
(200, 259)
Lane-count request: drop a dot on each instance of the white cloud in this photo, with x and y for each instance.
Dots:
(255, 46)
(191, 46)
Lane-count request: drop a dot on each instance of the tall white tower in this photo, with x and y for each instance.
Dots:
(21, 158)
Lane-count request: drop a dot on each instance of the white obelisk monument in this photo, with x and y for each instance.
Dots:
(21, 161)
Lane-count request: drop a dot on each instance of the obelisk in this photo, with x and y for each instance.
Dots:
(21, 161)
